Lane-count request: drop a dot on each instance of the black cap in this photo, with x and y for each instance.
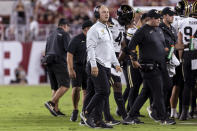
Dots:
(154, 14)
(87, 23)
(63, 21)
(168, 11)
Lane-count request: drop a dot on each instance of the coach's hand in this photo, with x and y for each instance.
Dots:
(94, 71)
(136, 64)
(72, 73)
(118, 69)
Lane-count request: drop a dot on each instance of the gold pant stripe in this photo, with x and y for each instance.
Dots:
(129, 76)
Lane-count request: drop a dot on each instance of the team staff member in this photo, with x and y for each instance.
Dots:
(130, 75)
(76, 58)
(170, 36)
(151, 62)
(187, 30)
(55, 58)
(101, 56)
(135, 73)
(109, 120)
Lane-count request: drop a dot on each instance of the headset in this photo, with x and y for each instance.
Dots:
(96, 11)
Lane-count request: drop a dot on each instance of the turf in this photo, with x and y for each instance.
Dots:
(22, 109)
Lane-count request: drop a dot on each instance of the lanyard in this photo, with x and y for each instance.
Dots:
(108, 32)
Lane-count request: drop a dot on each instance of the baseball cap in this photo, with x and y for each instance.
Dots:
(63, 21)
(154, 14)
(167, 10)
(87, 23)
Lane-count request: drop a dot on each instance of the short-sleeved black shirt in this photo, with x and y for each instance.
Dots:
(57, 44)
(151, 43)
(170, 34)
(77, 47)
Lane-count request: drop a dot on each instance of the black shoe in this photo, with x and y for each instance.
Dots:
(74, 115)
(59, 113)
(87, 120)
(113, 122)
(139, 115)
(184, 113)
(118, 112)
(183, 116)
(82, 123)
(154, 117)
(102, 124)
(51, 107)
(168, 122)
(131, 120)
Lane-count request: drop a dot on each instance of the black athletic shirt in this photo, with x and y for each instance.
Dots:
(77, 47)
(57, 44)
(151, 43)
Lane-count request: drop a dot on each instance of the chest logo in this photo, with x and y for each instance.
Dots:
(103, 31)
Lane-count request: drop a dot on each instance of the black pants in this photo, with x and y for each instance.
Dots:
(153, 84)
(179, 81)
(189, 76)
(129, 84)
(167, 89)
(137, 81)
(98, 90)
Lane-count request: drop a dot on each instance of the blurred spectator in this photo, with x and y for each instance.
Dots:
(157, 2)
(53, 5)
(19, 13)
(10, 32)
(20, 75)
(20, 18)
(152, 3)
(33, 28)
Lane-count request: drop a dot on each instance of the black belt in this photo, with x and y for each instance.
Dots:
(147, 67)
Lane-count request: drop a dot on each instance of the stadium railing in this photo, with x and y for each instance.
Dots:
(23, 33)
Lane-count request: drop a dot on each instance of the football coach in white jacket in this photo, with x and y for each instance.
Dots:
(101, 56)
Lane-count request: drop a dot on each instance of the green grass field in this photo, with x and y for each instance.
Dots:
(22, 109)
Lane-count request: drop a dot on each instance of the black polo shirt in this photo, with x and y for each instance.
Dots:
(151, 43)
(77, 47)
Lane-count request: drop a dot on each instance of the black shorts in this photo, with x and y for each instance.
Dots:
(58, 75)
(178, 77)
(81, 77)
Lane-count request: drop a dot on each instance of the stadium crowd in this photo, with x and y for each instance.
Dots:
(39, 17)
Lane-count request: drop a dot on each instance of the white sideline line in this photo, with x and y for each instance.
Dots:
(188, 123)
